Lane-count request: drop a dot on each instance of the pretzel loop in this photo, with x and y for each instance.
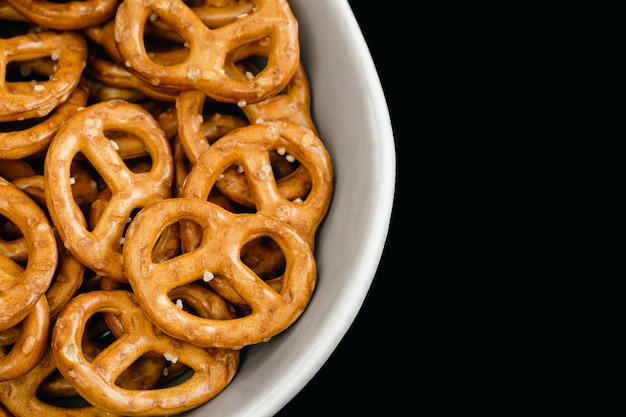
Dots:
(219, 254)
(86, 133)
(204, 67)
(95, 380)
(25, 99)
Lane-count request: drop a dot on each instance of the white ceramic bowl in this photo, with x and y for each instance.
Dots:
(350, 111)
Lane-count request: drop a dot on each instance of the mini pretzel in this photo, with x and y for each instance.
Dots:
(204, 67)
(225, 233)
(95, 380)
(249, 148)
(21, 100)
(30, 345)
(23, 143)
(66, 15)
(20, 291)
(86, 133)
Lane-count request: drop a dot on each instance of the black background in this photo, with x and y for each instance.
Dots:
(365, 371)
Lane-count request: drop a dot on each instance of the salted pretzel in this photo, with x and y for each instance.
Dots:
(86, 133)
(225, 233)
(19, 292)
(95, 380)
(21, 100)
(32, 140)
(30, 343)
(66, 15)
(293, 182)
(249, 148)
(204, 67)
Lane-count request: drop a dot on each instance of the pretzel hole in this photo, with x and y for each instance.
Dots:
(163, 44)
(25, 76)
(264, 257)
(247, 61)
(130, 147)
(13, 245)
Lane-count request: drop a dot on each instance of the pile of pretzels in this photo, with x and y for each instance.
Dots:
(161, 187)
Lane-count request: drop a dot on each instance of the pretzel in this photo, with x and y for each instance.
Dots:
(85, 133)
(19, 292)
(248, 147)
(30, 344)
(225, 233)
(23, 143)
(204, 66)
(196, 138)
(21, 100)
(95, 380)
(21, 396)
(66, 15)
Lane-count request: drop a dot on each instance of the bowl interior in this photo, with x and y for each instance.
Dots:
(351, 114)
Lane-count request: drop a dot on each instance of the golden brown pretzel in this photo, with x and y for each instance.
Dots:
(225, 233)
(95, 380)
(19, 292)
(196, 137)
(21, 100)
(31, 343)
(204, 67)
(22, 395)
(66, 15)
(85, 133)
(249, 148)
(23, 143)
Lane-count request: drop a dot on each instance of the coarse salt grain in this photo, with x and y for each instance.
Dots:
(208, 276)
(171, 357)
